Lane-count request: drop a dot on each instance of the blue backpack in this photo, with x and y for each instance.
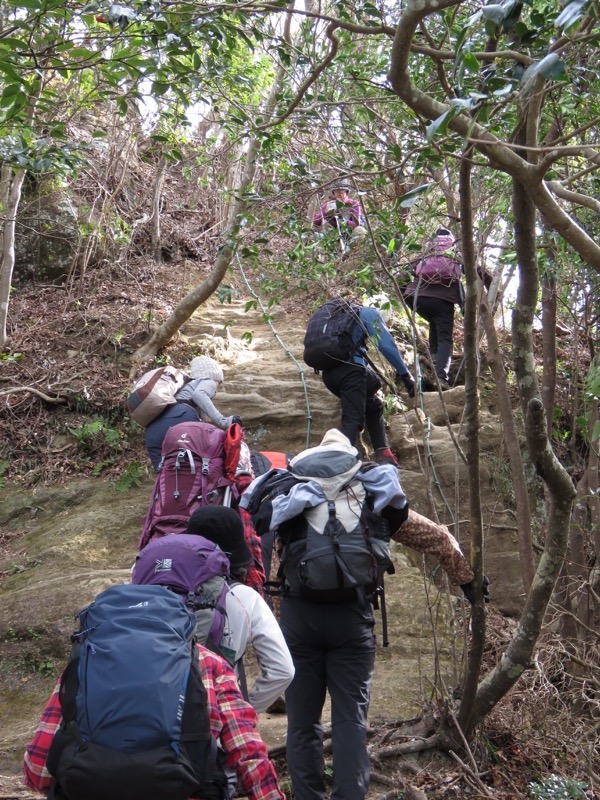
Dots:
(135, 721)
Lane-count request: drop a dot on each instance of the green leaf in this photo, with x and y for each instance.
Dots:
(25, 3)
(12, 89)
(570, 14)
(460, 39)
(11, 43)
(494, 13)
(410, 198)
(471, 62)
(440, 125)
(9, 70)
(158, 89)
(549, 67)
(81, 52)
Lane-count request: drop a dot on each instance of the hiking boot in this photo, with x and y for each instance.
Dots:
(444, 385)
(383, 455)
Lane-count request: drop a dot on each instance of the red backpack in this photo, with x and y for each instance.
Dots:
(198, 467)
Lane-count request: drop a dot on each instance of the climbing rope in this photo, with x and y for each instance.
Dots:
(280, 342)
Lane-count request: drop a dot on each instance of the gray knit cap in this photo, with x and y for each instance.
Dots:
(205, 367)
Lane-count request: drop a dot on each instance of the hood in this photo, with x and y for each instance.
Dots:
(332, 464)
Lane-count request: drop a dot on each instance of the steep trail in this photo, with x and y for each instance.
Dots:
(82, 536)
(264, 385)
(282, 402)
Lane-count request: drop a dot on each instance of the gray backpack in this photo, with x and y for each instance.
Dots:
(338, 550)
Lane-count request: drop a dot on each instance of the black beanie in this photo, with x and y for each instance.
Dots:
(223, 526)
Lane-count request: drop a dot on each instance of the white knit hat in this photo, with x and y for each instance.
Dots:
(205, 367)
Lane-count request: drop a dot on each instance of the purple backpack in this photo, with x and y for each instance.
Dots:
(191, 474)
(195, 568)
(438, 266)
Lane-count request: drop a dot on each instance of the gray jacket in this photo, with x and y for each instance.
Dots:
(200, 392)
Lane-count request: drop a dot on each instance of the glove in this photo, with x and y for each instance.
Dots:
(238, 420)
(469, 590)
(408, 382)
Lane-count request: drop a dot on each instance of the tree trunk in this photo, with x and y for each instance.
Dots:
(549, 347)
(155, 219)
(560, 491)
(472, 437)
(13, 181)
(513, 448)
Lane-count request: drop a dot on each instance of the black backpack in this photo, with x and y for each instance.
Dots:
(328, 563)
(135, 719)
(328, 340)
(322, 559)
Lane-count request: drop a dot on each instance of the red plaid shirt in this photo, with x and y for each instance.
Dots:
(255, 577)
(233, 722)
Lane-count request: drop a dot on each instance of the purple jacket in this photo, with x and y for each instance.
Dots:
(347, 209)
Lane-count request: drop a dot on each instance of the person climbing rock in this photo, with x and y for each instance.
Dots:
(194, 402)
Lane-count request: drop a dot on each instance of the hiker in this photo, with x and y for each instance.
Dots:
(341, 211)
(230, 720)
(194, 402)
(351, 378)
(262, 462)
(250, 621)
(434, 291)
(320, 509)
(202, 465)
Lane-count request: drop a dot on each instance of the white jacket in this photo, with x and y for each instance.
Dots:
(250, 621)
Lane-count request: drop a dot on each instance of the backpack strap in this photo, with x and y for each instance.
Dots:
(181, 456)
(69, 685)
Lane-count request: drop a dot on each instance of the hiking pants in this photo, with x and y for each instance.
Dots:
(157, 429)
(333, 650)
(440, 316)
(357, 388)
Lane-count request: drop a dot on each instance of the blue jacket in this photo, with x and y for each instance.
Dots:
(372, 326)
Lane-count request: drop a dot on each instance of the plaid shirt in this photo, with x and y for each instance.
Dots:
(255, 576)
(233, 722)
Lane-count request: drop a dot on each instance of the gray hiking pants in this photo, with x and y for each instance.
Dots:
(333, 649)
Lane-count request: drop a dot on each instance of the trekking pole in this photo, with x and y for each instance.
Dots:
(384, 626)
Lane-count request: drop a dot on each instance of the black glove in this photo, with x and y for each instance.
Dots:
(469, 590)
(408, 382)
(238, 420)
